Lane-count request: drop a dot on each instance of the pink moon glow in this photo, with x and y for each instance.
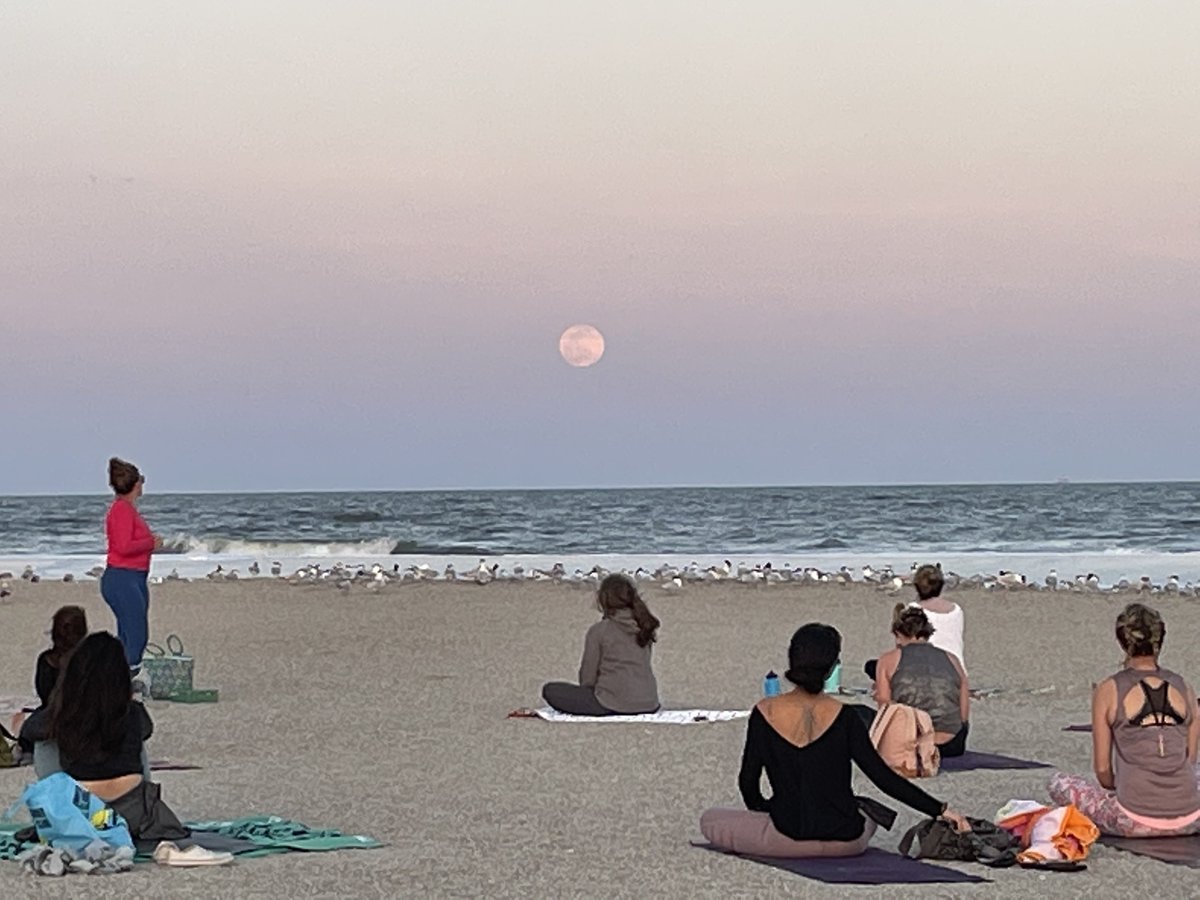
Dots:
(581, 345)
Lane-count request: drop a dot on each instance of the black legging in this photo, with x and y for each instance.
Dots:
(573, 699)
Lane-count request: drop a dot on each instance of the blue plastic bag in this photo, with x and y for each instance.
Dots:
(67, 815)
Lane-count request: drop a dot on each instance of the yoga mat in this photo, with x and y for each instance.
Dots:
(662, 717)
(1176, 851)
(875, 866)
(1085, 728)
(975, 759)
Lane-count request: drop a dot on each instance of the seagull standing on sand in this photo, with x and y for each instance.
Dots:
(1010, 579)
(254, 570)
(276, 569)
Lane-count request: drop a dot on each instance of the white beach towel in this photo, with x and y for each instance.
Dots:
(662, 717)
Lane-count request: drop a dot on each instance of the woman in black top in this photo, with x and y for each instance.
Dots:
(99, 729)
(806, 741)
(67, 628)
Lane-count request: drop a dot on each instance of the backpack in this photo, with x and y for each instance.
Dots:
(68, 816)
(905, 740)
(7, 745)
(984, 843)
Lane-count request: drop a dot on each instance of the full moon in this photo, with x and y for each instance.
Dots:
(581, 345)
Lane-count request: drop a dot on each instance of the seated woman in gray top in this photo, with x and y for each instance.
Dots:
(1145, 732)
(615, 677)
(923, 676)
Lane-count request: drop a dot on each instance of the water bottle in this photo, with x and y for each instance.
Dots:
(771, 685)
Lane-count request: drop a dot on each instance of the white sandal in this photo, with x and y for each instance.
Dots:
(168, 853)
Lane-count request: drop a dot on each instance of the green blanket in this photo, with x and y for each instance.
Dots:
(270, 834)
(275, 835)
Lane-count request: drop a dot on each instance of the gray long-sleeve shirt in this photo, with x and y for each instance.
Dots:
(616, 668)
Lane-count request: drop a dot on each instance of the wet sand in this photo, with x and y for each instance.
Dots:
(385, 714)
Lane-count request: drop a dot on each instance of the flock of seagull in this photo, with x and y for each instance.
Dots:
(669, 578)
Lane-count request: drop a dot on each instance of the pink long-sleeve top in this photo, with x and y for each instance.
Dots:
(130, 541)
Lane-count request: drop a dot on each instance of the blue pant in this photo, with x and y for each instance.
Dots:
(127, 593)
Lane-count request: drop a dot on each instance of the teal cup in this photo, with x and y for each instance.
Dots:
(833, 684)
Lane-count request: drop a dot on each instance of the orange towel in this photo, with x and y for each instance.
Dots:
(1049, 833)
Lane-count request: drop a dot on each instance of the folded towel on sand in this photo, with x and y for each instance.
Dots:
(875, 866)
(662, 717)
(249, 837)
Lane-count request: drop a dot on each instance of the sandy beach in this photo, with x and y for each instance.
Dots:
(385, 714)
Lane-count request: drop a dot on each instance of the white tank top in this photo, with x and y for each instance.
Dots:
(948, 631)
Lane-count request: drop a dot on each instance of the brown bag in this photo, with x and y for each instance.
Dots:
(905, 740)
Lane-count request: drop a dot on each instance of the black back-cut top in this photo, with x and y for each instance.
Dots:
(811, 795)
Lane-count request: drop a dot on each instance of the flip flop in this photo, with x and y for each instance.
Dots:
(1055, 865)
(168, 853)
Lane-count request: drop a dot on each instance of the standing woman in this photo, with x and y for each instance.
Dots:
(124, 584)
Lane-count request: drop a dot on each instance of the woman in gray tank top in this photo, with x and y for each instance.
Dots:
(926, 677)
(1145, 732)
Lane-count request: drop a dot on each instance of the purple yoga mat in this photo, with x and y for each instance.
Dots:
(974, 759)
(1176, 851)
(873, 867)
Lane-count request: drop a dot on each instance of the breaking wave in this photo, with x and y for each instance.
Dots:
(191, 546)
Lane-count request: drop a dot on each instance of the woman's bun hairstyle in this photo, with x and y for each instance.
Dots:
(123, 476)
(1141, 630)
(812, 654)
(911, 622)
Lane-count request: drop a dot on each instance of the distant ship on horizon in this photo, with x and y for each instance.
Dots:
(1062, 479)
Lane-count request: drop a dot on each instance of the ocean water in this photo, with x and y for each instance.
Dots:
(1114, 530)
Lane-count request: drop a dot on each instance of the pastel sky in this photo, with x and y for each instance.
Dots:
(276, 245)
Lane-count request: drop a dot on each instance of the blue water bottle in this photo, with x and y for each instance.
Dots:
(771, 685)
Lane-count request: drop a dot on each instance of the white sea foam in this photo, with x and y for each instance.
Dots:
(199, 549)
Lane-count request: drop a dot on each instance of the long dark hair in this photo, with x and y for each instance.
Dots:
(617, 592)
(68, 627)
(91, 700)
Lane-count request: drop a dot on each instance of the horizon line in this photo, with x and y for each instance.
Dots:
(1059, 482)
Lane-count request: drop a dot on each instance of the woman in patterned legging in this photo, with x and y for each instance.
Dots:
(1145, 732)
